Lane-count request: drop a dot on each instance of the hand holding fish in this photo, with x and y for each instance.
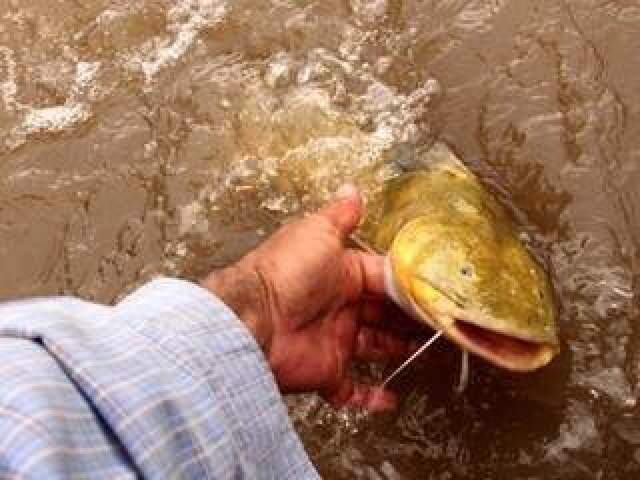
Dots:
(314, 306)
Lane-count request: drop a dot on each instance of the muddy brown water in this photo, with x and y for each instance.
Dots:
(168, 137)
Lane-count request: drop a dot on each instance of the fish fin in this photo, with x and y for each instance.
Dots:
(440, 154)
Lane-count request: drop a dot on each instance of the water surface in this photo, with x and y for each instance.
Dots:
(168, 137)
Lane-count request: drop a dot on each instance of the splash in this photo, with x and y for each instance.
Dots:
(185, 22)
(75, 111)
(9, 88)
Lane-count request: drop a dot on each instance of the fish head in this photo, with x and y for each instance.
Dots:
(478, 284)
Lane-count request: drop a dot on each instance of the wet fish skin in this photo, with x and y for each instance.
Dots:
(457, 262)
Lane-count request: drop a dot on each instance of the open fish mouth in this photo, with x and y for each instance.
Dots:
(503, 350)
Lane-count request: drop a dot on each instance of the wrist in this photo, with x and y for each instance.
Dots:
(245, 291)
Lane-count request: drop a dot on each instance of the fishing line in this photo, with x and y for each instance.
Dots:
(427, 344)
(361, 243)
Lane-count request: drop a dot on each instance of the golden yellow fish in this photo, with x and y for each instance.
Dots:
(455, 261)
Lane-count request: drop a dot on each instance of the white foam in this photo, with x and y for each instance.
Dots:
(578, 431)
(186, 20)
(193, 219)
(54, 119)
(369, 10)
(395, 115)
(611, 382)
(8, 88)
(109, 15)
(85, 74)
(278, 73)
(74, 111)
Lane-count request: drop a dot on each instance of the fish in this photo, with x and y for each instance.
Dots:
(455, 261)
(453, 254)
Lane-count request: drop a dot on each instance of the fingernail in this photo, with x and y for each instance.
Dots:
(348, 190)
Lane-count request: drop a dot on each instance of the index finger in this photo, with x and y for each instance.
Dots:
(365, 273)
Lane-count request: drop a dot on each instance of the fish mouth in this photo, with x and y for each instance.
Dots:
(501, 349)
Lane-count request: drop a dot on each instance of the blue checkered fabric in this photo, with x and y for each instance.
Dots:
(166, 384)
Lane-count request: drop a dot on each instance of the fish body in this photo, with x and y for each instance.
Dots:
(456, 262)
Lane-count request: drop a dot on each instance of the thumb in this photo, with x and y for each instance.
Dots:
(344, 213)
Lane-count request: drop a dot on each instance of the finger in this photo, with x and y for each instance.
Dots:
(365, 274)
(373, 312)
(369, 397)
(383, 313)
(374, 344)
(373, 398)
(345, 212)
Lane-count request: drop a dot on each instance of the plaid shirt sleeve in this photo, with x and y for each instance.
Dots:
(166, 384)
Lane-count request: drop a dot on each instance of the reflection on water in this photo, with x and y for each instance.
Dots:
(147, 137)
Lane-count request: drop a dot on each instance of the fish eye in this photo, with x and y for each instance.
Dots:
(466, 271)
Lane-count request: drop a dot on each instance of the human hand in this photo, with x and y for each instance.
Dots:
(314, 306)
